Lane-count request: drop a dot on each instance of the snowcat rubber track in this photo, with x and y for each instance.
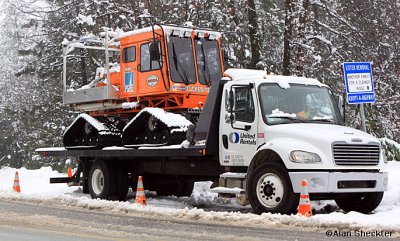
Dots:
(148, 130)
(86, 132)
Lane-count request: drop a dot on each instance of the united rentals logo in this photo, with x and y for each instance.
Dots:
(234, 137)
(242, 138)
(152, 80)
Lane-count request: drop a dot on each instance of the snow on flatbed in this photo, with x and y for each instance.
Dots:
(50, 149)
(202, 205)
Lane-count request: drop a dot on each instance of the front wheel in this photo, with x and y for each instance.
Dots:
(359, 202)
(270, 190)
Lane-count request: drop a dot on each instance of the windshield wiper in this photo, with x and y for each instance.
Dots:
(205, 67)
(324, 120)
(294, 119)
(184, 78)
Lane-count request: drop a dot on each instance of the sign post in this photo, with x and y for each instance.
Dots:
(359, 85)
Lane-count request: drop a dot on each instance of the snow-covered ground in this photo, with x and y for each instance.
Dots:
(202, 205)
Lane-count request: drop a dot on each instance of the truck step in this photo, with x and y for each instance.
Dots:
(230, 183)
(224, 190)
(238, 175)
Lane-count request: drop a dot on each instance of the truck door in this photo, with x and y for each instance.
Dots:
(149, 75)
(238, 128)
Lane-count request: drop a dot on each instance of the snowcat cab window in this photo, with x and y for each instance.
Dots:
(208, 60)
(146, 64)
(129, 54)
(181, 60)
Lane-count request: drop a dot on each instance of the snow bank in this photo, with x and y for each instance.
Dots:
(202, 205)
(34, 182)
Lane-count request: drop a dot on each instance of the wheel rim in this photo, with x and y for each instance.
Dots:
(97, 181)
(270, 190)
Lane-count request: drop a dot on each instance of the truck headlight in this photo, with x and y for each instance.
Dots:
(304, 157)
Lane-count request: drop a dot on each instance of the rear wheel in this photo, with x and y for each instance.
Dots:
(359, 202)
(102, 181)
(270, 190)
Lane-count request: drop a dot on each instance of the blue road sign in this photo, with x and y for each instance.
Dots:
(359, 83)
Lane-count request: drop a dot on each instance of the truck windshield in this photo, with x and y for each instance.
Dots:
(298, 103)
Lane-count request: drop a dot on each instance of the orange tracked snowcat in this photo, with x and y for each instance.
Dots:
(161, 68)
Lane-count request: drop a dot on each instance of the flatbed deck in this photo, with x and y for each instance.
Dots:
(172, 160)
(122, 152)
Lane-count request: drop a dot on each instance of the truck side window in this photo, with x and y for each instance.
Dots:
(129, 54)
(244, 105)
(145, 63)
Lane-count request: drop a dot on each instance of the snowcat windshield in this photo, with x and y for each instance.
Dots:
(181, 61)
(298, 103)
(208, 60)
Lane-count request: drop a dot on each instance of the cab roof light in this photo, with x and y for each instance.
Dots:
(212, 37)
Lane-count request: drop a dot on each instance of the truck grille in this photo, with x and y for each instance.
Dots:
(354, 154)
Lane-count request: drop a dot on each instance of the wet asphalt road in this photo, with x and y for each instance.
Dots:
(24, 221)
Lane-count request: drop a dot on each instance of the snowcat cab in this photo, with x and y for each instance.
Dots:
(161, 66)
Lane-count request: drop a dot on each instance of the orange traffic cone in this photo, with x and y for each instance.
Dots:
(69, 171)
(140, 197)
(304, 205)
(16, 186)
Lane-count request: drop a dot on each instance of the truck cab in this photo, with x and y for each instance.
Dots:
(285, 129)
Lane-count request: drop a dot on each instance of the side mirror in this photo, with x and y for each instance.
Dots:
(231, 100)
(340, 102)
(231, 105)
(154, 49)
(225, 56)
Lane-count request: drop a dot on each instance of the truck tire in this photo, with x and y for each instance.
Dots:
(270, 190)
(102, 181)
(187, 188)
(359, 202)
